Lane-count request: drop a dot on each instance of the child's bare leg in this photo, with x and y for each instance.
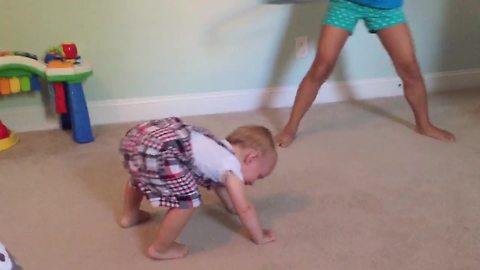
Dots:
(398, 42)
(330, 43)
(164, 246)
(132, 214)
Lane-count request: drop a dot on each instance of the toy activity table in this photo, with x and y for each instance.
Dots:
(22, 72)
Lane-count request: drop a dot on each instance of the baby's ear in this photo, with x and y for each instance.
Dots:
(251, 156)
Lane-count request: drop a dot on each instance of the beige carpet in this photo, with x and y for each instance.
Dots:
(357, 190)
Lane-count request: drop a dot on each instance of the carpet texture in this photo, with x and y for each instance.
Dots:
(358, 189)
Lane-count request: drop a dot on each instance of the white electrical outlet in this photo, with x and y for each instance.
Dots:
(301, 46)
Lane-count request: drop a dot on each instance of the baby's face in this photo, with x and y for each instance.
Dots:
(259, 168)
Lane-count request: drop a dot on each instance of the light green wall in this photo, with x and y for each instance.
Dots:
(151, 48)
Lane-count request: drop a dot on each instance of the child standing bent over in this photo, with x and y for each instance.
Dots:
(168, 161)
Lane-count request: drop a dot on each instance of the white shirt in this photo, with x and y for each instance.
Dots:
(212, 159)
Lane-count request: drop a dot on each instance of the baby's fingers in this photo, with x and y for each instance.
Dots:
(268, 236)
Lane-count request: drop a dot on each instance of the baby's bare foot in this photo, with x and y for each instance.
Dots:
(437, 133)
(286, 137)
(175, 251)
(130, 220)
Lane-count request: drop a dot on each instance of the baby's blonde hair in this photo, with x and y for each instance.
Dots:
(256, 137)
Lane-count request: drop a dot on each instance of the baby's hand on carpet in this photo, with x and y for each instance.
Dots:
(267, 237)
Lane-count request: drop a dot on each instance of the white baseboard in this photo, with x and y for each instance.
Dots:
(137, 109)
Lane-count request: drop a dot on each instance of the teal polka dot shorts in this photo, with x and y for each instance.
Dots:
(345, 14)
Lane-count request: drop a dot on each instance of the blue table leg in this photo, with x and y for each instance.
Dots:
(82, 130)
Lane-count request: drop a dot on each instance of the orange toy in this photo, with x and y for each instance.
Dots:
(59, 64)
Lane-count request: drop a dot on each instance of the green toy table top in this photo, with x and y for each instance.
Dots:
(75, 74)
(18, 66)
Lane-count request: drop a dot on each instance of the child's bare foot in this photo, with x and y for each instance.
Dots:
(129, 220)
(437, 133)
(175, 251)
(286, 137)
